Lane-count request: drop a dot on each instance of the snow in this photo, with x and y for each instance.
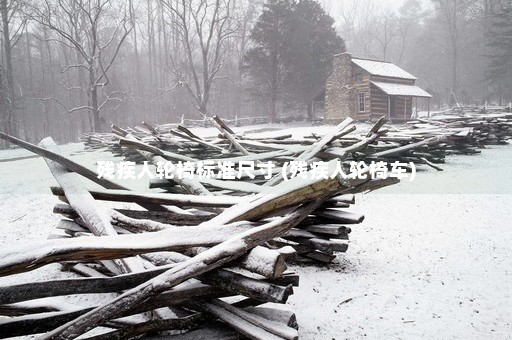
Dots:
(431, 260)
(382, 68)
(401, 90)
(417, 271)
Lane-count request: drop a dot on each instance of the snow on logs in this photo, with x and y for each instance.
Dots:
(174, 264)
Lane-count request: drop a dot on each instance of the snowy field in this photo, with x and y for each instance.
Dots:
(431, 260)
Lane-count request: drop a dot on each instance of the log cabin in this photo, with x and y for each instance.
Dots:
(365, 89)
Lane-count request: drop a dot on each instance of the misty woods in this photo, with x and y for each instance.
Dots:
(71, 66)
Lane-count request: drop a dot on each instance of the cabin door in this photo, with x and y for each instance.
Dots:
(392, 106)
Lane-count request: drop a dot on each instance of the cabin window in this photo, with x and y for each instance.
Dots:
(360, 100)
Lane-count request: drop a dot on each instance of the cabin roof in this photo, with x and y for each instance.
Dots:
(393, 89)
(382, 68)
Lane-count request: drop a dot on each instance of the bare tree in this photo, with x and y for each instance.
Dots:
(13, 24)
(385, 31)
(96, 30)
(204, 28)
(349, 20)
(454, 16)
(376, 29)
(408, 20)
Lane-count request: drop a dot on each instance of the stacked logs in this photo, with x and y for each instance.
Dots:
(197, 263)
(201, 257)
(420, 141)
(486, 129)
(376, 144)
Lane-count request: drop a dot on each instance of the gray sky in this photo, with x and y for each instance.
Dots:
(334, 5)
(388, 3)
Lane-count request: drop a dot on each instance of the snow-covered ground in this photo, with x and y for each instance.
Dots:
(431, 260)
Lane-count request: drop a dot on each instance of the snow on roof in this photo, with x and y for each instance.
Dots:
(382, 68)
(401, 90)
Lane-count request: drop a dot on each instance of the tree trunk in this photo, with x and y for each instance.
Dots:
(9, 77)
(140, 82)
(29, 60)
(52, 110)
(273, 104)
(93, 96)
(95, 110)
(454, 69)
(309, 106)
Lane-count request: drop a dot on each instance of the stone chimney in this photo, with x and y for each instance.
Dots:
(339, 93)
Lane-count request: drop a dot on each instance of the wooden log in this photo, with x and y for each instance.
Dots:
(19, 310)
(188, 132)
(32, 324)
(192, 186)
(232, 185)
(272, 155)
(243, 285)
(284, 195)
(156, 216)
(135, 144)
(332, 230)
(328, 246)
(286, 279)
(432, 165)
(37, 290)
(341, 153)
(161, 183)
(159, 198)
(285, 317)
(405, 148)
(376, 127)
(319, 256)
(340, 216)
(154, 325)
(270, 263)
(372, 185)
(75, 229)
(260, 260)
(315, 148)
(298, 234)
(72, 166)
(249, 324)
(95, 218)
(209, 331)
(199, 141)
(83, 270)
(229, 134)
(64, 161)
(206, 261)
(244, 303)
(347, 198)
(166, 140)
(21, 258)
(266, 262)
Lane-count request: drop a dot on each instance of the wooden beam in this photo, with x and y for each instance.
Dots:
(65, 161)
(199, 264)
(95, 217)
(158, 198)
(228, 134)
(26, 257)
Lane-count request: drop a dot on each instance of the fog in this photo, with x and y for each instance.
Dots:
(63, 74)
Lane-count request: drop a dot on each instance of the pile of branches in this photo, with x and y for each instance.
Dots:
(237, 121)
(195, 264)
(200, 258)
(177, 143)
(486, 128)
